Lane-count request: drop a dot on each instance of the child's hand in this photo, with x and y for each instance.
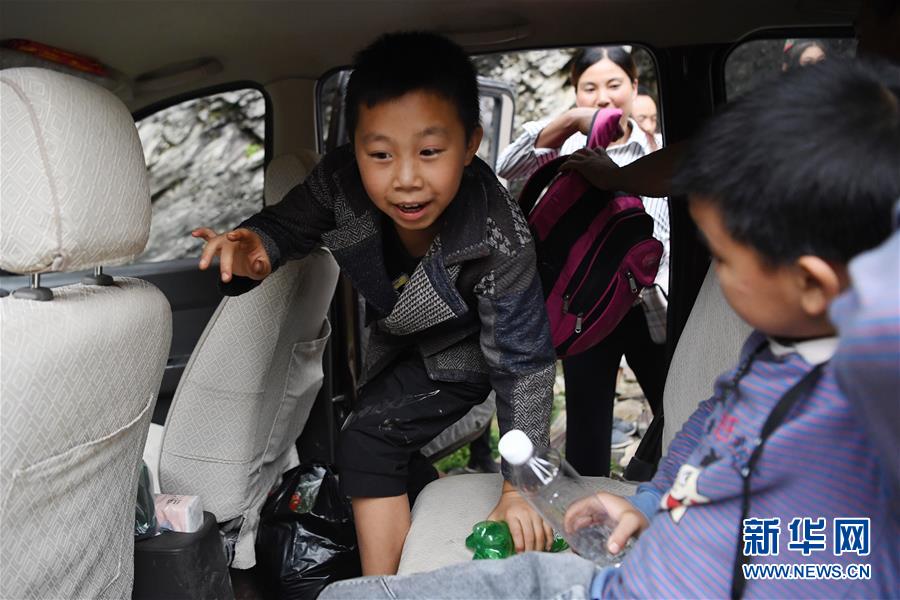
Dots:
(602, 508)
(596, 166)
(529, 532)
(241, 253)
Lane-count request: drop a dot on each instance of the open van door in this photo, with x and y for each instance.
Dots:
(498, 106)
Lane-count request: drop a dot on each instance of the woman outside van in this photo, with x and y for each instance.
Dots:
(645, 115)
(604, 76)
(802, 53)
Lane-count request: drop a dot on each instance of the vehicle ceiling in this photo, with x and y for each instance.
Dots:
(265, 41)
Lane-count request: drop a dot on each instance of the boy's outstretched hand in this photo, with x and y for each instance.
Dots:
(602, 508)
(528, 529)
(241, 252)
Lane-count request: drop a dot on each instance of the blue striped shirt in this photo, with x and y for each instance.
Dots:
(819, 463)
(867, 361)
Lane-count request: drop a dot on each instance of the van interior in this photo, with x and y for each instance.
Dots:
(117, 348)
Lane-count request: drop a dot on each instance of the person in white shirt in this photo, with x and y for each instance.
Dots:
(644, 114)
(603, 76)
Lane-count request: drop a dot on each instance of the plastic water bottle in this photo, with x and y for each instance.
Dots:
(552, 486)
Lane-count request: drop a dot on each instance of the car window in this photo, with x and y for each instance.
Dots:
(205, 159)
(757, 61)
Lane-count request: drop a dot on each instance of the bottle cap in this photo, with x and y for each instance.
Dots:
(515, 447)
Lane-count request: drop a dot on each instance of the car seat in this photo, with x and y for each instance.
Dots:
(249, 386)
(81, 364)
(447, 508)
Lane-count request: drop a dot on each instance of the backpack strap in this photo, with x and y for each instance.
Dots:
(536, 184)
(604, 129)
(774, 420)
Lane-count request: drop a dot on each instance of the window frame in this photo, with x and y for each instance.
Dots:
(268, 141)
(818, 31)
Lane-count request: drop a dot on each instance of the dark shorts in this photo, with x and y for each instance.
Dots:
(398, 413)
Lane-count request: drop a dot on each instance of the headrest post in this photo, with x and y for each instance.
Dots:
(98, 278)
(35, 291)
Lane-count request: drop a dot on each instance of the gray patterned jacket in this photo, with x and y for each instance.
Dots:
(473, 306)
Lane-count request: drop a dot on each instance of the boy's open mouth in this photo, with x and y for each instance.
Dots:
(411, 210)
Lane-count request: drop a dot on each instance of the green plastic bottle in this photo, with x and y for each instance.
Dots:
(492, 539)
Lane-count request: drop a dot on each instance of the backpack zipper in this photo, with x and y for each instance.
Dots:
(578, 322)
(596, 272)
(566, 303)
(631, 282)
(627, 223)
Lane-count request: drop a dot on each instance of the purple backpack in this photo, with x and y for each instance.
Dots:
(595, 249)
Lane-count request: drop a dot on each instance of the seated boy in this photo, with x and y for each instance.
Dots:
(786, 186)
(445, 262)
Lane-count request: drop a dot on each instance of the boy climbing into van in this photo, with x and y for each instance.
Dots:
(445, 262)
(776, 470)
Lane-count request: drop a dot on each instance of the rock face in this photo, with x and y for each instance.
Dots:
(539, 78)
(205, 160)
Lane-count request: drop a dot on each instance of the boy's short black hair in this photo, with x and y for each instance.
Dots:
(806, 164)
(398, 63)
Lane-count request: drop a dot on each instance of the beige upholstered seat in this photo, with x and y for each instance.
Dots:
(80, 371)
(446, 509)
(249, 386)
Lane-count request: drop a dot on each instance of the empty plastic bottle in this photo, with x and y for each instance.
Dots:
(552, 487)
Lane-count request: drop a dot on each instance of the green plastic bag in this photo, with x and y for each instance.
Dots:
(492, 539)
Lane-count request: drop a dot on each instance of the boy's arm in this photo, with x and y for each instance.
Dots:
(648, 495)
(649, 176)
(293, 227)
(515, 340)
(646, 498)
(521, 158)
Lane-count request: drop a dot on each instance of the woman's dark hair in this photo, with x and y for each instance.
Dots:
(586, 57)
(399, 63)
(794, 50)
